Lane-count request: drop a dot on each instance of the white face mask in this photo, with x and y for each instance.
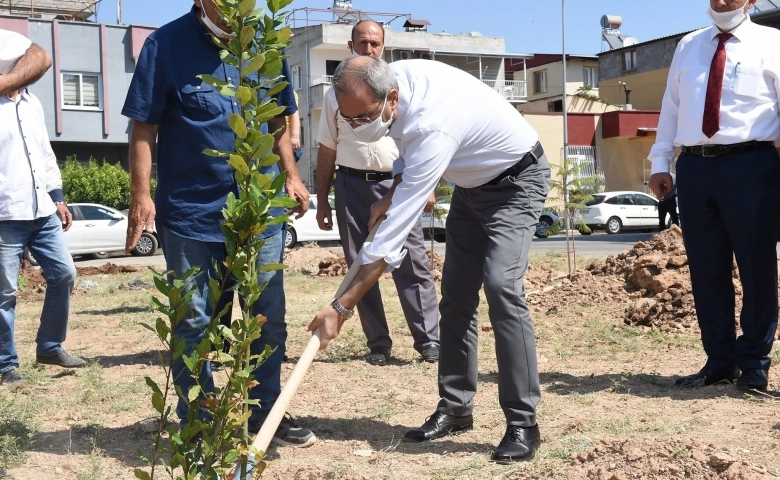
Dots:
(376, 130)
(728, 21)
(213, 28)
(355, 54)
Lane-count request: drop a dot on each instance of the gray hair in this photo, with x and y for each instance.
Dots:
(371, 71)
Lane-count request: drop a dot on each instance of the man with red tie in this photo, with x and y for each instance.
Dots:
(721, 109)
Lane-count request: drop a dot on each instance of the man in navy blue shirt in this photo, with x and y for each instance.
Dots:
(171, 106)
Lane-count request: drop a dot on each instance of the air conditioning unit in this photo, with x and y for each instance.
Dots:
(405, 55)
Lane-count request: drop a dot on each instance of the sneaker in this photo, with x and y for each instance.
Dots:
(378, 356)
(12, 380)
(430, 353)
(289, 434)
(61, 359)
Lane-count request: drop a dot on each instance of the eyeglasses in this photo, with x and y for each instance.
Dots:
(362, 120)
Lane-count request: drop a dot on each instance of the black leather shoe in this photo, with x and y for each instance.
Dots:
(707, 377)
(753, 379)
(378, 356)
(439, 425)
(430, 353)
(518, 445)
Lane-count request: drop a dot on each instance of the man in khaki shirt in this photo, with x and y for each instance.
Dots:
(364, 176)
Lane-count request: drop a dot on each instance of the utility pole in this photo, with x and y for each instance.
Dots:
(566, 212)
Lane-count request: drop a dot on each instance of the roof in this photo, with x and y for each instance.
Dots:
(461, 53)
(81, 9)
(660, 39)
(547, 58)
(416, 23)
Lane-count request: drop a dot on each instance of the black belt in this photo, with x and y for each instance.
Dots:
(525, 162)
(733, 149)
(367, 175)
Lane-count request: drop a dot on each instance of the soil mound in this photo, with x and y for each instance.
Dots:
(307, 258)
(34, 281)
(679, 458)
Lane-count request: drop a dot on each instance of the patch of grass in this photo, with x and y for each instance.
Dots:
(350, 345)
(21, 284)
(95, 468)
(93, 384)
(17, 429)
(566, 447)
(559, 261)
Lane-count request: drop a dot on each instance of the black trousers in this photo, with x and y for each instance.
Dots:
(667, 205)
(730, 207)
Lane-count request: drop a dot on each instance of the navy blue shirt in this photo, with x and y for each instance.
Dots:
(192, 117)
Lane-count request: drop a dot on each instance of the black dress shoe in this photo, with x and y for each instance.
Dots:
(518, 445)
(707, 377)
(753, 379)
(378, 356)
(439, 425)
(430, 353)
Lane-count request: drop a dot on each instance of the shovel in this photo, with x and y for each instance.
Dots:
(275, 416)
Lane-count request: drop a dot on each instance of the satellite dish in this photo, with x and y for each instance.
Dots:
(628, 41)
(474, 34)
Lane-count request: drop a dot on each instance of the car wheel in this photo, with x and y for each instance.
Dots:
(614, 225)
(543, 227)
(146, 245)
(101, 255)
(290, 239)
(29, 257)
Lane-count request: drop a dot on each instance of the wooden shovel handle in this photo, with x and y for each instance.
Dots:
(275, 416)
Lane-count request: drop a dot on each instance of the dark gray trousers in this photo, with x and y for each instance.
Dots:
(489, 230)
(413, 279)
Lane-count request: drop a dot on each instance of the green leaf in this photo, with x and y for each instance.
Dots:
(246, 7)
(263, 146)
(213, 81)
(284, 202)
(152, 385)
(284, 34)
(269, 160)
(272, 67)
(273, 6)
(247, 35)
(216, 153)
(239, 164)
(142, 474)
(237, 124)
(158, 402)
(269, 115)
(255, 64)
(270, 267)
(276, 89)
(193, 394)
(244, 95)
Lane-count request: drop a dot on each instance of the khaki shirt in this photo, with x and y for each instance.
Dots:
(378, 156)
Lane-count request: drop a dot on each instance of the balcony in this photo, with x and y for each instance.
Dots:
(513, 90)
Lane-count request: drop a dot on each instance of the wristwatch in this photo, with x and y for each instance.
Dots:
(347, 314)
(59, 203)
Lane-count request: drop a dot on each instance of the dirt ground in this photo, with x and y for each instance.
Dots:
(610, 345)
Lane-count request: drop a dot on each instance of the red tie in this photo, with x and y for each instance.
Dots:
(711, 121)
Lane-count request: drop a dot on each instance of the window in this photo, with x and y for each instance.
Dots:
(330, 66)
(645, 200)
(555, 106)
(81, 90)
(590, 77)
(629, 60)
(296, 77)
(626, 199)
(540, 81)
(95, 213)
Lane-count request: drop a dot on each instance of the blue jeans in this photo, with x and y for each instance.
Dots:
(183, 253)
(46, 241)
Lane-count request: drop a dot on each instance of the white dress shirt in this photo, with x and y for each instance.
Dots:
(28, 167)
(751, 83)
(12, 46)
(378, 156)
(450, 125)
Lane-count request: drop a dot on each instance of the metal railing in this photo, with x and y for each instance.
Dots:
(512, 90)
(321, 80)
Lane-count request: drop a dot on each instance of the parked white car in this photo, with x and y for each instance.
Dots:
(439, 222)
(306, 229)
(99, 230)
(624, 210)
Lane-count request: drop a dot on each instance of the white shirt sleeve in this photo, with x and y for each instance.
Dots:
(12, 47)
(328, 133)
(662, 152)
(428, 155)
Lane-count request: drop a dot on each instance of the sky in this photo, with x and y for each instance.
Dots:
(527, 26)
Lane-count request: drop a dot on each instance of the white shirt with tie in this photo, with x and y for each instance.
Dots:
(751, 88)
(449, 125)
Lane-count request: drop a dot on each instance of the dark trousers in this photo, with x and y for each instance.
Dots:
(667, 205)
(489, 231)
(413, 278)
(730, 206)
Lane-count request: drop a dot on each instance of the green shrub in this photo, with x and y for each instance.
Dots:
(107, 184)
